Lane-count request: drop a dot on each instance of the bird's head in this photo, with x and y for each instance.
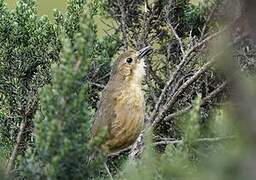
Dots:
(130, 64)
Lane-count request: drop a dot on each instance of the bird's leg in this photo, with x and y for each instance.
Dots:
(108, 171)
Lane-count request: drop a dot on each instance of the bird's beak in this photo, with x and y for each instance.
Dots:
(143, 52)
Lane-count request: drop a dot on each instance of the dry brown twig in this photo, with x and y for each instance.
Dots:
(123, 23)
(204, 100)
(185, 59)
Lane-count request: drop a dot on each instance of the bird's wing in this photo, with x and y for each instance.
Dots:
(105, 113)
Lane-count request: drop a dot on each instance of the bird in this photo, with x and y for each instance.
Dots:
(120, 112)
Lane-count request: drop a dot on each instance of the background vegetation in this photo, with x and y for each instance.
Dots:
(199, 88)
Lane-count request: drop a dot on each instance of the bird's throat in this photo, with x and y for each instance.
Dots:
(139, 72)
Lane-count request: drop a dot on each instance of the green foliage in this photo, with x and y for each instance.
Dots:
(146, 166)
(5, 144)
(49, 77)
(29, 45)
(62, 149)
(191, 157)
(62, 124)
(191, 124)
(188, 16)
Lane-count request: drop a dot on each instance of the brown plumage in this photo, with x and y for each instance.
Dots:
(121, 108)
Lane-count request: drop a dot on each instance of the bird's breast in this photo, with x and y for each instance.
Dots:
(129, 110)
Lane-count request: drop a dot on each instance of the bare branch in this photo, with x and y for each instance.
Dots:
(136, 148)
(208, 19)
(207, 39)
(15, 148)
(97, 85)
(203, 69)
(178, 38)
(216, 139)
(185, 59)
(178, 113)
(204, 100)
(108, 171)
(123, 23)
(214, 93)
(182, 88)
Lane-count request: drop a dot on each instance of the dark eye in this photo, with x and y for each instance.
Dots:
(129, 60)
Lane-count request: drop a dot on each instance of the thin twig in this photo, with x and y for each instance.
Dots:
(214, 93)
(123, 23)
(216, 139)
(209, 17)
(182, 88)
(15, 148)
(108, 171)
(97, 85)
(184, 61)
(178, 113)
(178, 38)
(203, 69)
(204, 100)
(119, 152)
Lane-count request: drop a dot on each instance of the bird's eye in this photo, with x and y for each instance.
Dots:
(129, 60)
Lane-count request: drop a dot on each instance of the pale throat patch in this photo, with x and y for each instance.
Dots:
(140, 72)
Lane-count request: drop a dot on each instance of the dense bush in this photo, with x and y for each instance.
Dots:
(52, 72)
(62, 147)
(29, 44)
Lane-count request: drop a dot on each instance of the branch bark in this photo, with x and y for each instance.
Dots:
(216, 139)
(16, 147)
(204, 100)
(182, 89)
(158, 117)
(185, 59)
